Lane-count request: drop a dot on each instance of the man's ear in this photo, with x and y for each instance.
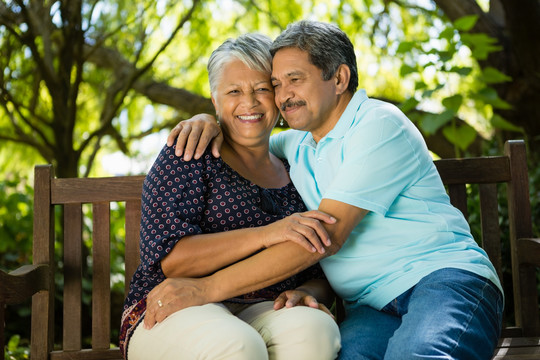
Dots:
(342, 78)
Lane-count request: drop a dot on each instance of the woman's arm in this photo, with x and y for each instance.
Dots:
(203, 254)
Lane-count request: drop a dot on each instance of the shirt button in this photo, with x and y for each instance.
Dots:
(319, 159)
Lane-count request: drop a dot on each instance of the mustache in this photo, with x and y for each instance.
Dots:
(287, 104)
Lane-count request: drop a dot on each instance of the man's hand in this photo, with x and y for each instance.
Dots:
(192, 136)
(305, 229)
(172, 295)
(298, 297)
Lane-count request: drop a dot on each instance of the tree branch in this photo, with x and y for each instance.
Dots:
(455, 9)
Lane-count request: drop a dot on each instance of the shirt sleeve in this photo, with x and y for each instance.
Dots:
(172, 204)
(380, 160)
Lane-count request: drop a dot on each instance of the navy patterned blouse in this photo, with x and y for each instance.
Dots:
(181, 198)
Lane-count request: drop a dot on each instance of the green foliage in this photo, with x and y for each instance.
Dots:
(16, 221)
(15, 350)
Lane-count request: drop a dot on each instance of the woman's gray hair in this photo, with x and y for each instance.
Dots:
(252, 49)
(327, 45)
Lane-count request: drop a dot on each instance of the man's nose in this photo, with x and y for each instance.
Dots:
(283, 94)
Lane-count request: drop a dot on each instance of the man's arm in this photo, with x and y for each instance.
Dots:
(284, 260)
(258, 271)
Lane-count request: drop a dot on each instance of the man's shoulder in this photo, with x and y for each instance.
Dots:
(289, 135)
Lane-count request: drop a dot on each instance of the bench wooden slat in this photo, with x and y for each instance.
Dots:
(101, 277)
(458, 197)
(133, 220)
(518, 348)
(520, 221)
(87, 354)
(72, 276)
(90, 190)
(474, 170)
(491, 232)
(42, 327)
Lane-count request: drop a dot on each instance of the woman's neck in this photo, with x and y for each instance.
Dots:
(256, 164)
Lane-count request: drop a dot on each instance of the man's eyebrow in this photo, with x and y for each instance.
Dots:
(288, 75)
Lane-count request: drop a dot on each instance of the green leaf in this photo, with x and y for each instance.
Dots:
(499, 122)
(408, 104)
(490, 96)
(419, 85)
(453, 102)
(490, 75)
(464, 71)
(13, 343)
(447, 34)
(466, 23)
(461, 136)
(432, 122)
(446, 55)
(405, 46)
(406, 70)
(480, 44)
(429, 93)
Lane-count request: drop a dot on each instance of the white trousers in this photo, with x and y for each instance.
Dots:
(258, 332)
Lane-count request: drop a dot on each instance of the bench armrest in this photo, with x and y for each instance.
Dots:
(529, 251)
(20, 284)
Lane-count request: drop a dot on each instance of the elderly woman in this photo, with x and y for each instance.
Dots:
(200, 216)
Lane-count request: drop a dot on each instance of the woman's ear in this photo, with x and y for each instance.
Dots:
(342, 78)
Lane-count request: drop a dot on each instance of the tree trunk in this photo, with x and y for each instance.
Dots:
(519, 58)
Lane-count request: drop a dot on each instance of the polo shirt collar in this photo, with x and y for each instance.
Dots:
(344, 123)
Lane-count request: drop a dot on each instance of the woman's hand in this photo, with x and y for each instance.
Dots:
(304, 229)
(299, 297)
(172, 295)
(192, 136)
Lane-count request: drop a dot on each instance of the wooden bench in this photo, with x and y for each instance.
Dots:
(519, 340)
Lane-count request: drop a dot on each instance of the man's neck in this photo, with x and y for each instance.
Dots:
(330, 123)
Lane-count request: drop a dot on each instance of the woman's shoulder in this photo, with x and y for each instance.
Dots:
(168, 163)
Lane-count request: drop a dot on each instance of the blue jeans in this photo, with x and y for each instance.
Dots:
(449, 314)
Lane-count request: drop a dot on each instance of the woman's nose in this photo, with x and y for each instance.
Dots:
(250, 99)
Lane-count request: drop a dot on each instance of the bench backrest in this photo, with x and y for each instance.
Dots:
(486, 173)
(70, 194)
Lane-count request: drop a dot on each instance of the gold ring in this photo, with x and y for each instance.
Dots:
(159, 303)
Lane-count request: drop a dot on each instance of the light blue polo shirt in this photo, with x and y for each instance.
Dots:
(376, 159)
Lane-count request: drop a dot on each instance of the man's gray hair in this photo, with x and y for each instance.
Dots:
(252, 49)
(327, 45)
